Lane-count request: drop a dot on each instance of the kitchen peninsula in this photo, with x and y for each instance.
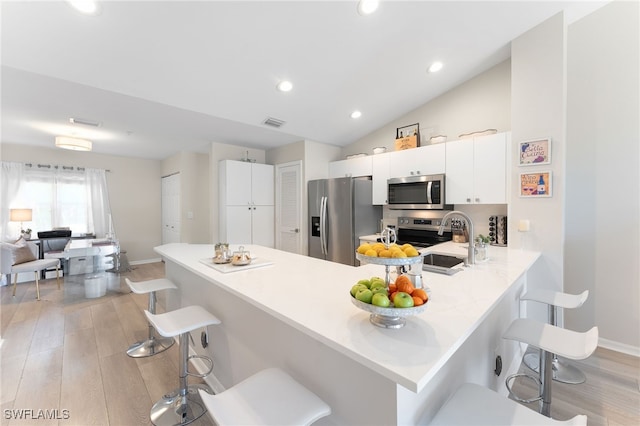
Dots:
(295, 313)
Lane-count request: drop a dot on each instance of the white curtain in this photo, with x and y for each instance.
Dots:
(98, 207)
(10, 180)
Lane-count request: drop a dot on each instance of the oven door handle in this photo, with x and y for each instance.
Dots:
(429, 189)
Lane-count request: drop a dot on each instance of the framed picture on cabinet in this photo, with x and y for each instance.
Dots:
(407, 137)
(535, 152)
(536, 184)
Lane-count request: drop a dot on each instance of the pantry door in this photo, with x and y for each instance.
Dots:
(289, 207)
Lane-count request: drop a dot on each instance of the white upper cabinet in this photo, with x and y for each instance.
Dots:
(380, 167)
(426, 160)
(243, 183)
(476, 170)
(353, 167)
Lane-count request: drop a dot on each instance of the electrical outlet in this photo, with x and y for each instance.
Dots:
(204, 339)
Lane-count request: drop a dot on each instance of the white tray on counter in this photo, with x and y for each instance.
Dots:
(228, 267)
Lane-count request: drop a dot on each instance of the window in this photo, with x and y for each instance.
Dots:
(60, 197)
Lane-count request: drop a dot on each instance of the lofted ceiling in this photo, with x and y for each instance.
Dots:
(167, 76)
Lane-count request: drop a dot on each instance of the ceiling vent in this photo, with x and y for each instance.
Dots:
(84, 122)
(273, 122)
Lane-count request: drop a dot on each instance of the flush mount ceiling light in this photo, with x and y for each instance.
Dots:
(367, 7)
(74, 144)
(285, 86)
(356, 114)
(435, 67)
(86, 7)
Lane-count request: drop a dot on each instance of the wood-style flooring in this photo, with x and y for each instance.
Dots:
(64, 357)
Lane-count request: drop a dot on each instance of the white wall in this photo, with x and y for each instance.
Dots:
(478, 104)
(134, 192)
(603, 149)
(194, 193)
(538, 105)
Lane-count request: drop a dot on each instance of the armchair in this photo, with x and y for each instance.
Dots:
(22, 256)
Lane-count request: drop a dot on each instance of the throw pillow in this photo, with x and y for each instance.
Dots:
(21, 252)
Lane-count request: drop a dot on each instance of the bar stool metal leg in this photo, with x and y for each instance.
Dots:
(183, 405)
(154, 344)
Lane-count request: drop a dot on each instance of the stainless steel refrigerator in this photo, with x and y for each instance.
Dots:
(340, 211)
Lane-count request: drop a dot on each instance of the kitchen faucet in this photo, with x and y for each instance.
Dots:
(471, 254)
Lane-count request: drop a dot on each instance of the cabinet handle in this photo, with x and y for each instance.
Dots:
(468, 200)
(418, 172)
(477, 200)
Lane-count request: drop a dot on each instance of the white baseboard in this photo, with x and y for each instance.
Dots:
(619, 347)
(142, 262)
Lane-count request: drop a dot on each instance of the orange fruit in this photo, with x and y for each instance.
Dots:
(392, 295)
(419, 292)
(417, 301)
(403, 283)
(392, 288)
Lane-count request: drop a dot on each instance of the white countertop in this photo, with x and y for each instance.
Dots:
(312, 295)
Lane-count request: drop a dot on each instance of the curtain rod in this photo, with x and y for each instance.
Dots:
(55, 166)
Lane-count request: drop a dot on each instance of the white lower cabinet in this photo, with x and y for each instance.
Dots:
(249, 225)
(476, 170)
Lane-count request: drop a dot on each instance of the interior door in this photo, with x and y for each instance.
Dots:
(289, 207)
(171, 209)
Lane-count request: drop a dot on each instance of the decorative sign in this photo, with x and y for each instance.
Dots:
(407, 137)
(535, 152)
(535, 184)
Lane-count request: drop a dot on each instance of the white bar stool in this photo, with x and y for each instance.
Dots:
(269, 397)
(183, 405)
(153, 345)
(562, 371)
(550, 339)
(472, 404)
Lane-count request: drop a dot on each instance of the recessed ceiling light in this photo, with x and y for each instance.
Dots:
(367, 7)
(285, 86)
(356, 114)
(86, 7)
(435, 67)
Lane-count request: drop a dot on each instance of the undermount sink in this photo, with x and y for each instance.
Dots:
(442, 263)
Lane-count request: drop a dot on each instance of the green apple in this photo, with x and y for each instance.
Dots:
(355, 289)
(402, 300)
(376, 290)
(380, 299)
(372, 279)
(377, 284)
(365, 282)
(365, 295)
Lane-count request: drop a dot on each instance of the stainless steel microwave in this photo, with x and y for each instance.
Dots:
(417, 193)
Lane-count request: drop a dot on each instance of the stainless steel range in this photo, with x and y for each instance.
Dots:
(421, 233)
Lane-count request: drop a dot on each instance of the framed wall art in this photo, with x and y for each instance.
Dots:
(536, 184)
(407, 137)
(535, 152)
